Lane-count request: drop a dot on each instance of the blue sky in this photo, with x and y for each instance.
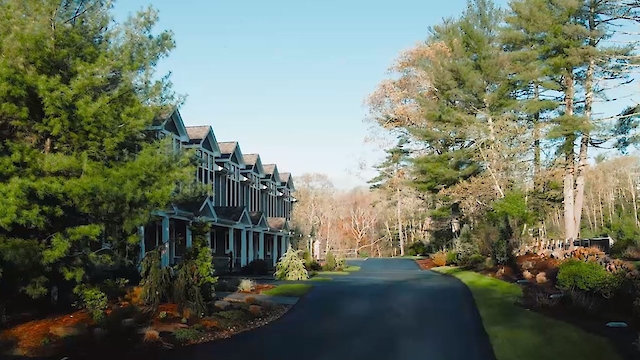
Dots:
(287, 78)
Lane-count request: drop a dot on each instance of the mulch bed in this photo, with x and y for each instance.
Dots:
(39, 338)
(426, 264)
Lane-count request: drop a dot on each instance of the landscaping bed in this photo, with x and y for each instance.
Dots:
(131, 329)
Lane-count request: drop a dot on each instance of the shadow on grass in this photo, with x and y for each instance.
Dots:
(518, 333)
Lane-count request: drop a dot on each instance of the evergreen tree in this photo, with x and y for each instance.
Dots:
(77, 92)
(393, 180)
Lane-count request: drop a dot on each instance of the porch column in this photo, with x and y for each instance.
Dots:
(142, 246)
(251, 242)
(231, 247)
(284, 244)
(261, 245)
(165, 241)
(209, 239)
(274, 250)
(243, 247)
(187, 235)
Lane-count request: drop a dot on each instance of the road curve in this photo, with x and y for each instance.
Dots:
(389, 310)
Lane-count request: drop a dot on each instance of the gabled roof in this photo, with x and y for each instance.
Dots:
(278, 224)
(171, 121)
(287, 180)
(230, 150)
(233, 214)
(272, 171)
(258, 219)
(253, 162)
(198, 208)
(203, 136)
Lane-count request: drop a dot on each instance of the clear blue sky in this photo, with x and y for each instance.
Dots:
(287, 78)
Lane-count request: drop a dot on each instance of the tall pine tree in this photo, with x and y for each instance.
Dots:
(77, 91)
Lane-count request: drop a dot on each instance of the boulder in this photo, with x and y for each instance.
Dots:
(130, 322)
(221, 304)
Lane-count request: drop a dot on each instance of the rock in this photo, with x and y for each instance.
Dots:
(256, 310)
(523, 281)
(130, 322)
(556, 296)
(221, 304)
(541, 278)
(64, 331)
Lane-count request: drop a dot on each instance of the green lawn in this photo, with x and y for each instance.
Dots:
(320, 278)
(351, 268)
(517, 333)
(295, 290)
(332, 273)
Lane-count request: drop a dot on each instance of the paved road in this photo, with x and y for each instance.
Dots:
(390, 309)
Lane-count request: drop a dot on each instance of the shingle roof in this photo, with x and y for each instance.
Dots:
(232, 213)
(250, 159)
(197, 133)
(276, 223)
(269, 168)
(227, 147)
(285, 177)
(255, 217)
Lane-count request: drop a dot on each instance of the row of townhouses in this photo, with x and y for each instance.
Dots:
(248, 203)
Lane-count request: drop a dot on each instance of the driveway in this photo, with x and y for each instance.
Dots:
(390, 309)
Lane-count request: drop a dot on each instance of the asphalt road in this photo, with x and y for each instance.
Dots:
(390, 309)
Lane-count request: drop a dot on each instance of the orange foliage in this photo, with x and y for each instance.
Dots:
(151, 336)
(440, 258)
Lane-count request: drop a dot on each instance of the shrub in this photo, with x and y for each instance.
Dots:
(632, 253)
(291, 266)
(541, 278)
(500, 251)
(440, 258)
(115, 288)
(95, 301)
(417, 248)
(452, 258)
(340, 264)
(313, 266)
(474, 261)
(585, 300)
(543, 300)
(576, 275)
(246, 285)
(330, 264)
(188, 334)
(156, 280)
(256, 267)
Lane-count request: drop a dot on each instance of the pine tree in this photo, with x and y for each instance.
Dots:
(77, 92)
(393, 180)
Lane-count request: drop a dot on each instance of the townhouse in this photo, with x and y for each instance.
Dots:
(248, 204)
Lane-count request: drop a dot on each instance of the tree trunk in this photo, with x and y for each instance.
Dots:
(584, 147)
(399, 214)
(569, 167)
